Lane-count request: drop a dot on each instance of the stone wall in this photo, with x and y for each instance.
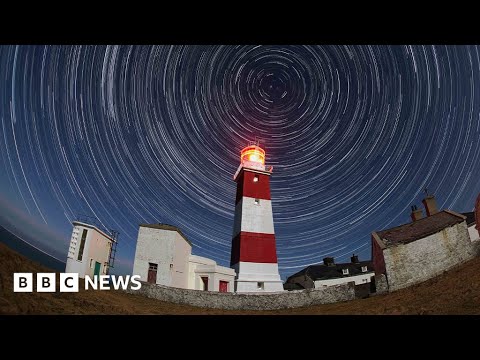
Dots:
(233, 301)
(426, 258)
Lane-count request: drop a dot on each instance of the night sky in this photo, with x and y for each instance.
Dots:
(147, 134)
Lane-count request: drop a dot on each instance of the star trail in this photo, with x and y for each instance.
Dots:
(148, 134)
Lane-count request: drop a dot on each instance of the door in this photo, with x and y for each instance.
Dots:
(223, 286)
(97, 268)
(205, 283)
(152, 273)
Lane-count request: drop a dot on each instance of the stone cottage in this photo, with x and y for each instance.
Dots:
(420, 250)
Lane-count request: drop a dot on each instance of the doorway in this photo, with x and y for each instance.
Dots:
(223, 286)
(152, 273)
(97, 268)
(205, 283)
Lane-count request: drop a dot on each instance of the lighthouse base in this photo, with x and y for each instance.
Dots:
(257, 277)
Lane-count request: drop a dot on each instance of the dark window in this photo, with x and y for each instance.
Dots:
(82, 245)
(260, 286)
(257, 201)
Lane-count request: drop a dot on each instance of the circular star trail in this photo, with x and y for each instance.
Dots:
(145, 134)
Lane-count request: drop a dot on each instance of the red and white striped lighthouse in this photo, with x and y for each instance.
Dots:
(254, 254)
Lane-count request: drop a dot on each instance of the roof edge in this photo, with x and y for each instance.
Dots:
(378, 240)
(109, 237)
(454, 213)
(165, 227)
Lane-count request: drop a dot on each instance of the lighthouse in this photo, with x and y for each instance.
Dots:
(254, 254)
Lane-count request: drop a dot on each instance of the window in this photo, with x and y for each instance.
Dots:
(152, 266)
(345, 271)
(105, 267)
(205, 283)
(364, 269)
(171, 266)
(260, 285)
(257, 201)
(255, 179)
(91, 263)
(82, 245)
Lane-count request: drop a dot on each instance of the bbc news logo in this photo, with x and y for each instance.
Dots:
(46, 282)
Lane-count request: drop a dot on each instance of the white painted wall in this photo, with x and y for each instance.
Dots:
(251, 217)
(359, 279)
(97, 248)
(473, 233)
(181, 253)
(155, 246)
(200, 267)
(250, 273)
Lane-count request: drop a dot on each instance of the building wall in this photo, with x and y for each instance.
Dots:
(303, 280)
(155, 246)
(473, 233)
(378, 259)
(423, 259)
(358, 279)
(200, 266)
(180, 262)
(193, 279)
(96, 249)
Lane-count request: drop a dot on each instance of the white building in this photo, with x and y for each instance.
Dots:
(329, 274)
(164, 256)
(90, 250)
(205, 274)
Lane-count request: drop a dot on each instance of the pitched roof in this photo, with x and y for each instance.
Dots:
(419, 229)
(167, 227)
(470, 218)
(324, 272)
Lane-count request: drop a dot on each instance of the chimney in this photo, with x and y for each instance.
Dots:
(416, 213)
(430, 205)
(354, 259)
(328, 261)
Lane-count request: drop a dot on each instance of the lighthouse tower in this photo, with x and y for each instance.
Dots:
(254, 254)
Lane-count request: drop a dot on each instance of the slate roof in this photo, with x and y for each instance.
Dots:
(470, 218)
(419, 229)
(167, 227)
(324, 272)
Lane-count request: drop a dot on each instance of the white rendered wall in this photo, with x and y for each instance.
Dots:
(250, 274)
(97, 248)
(473, 233)
(98, 251)
(181, 255)
(251, 217)
(203, 267)
(155, 246)
(193, 262)
(358, 279)
(74, 265)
